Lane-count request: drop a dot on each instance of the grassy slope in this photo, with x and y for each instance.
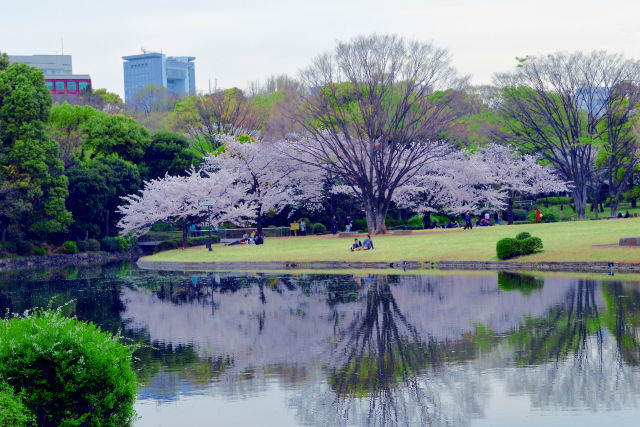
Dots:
(565, 241)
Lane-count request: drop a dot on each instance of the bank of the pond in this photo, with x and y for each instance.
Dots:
(49, 261)
(587, 246)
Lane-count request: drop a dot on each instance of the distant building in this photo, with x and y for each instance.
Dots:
(176, 73)
(58, 74)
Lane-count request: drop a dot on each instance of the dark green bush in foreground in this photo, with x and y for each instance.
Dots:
(508, 247)
(13, 412)
(71, 372)
(93, 245)
(320, 228)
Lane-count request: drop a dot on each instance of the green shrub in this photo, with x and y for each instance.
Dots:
(167, 245)
(415, 223)
(554, 200)
(161, 226)
(320, 228)
(358, 224)
(83, 245)
(547, 216)
(530, 245)
(391, 222)
(109, 244)
(507, 248)
(8, 247)
(70, 247)
(25, 248)
(518, 215)
(191, 241)
(123, 244)
(13, 412)
(40, 251)
(523, 235)
(72, 373)
(93, 245)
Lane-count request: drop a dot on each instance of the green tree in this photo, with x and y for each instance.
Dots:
(115, 134)
(4, 61)
(88, 198)
(29, 156)
(67, 124)
(167, 153)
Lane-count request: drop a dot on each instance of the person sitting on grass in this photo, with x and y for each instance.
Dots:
(366, 245)
(259, 240)
(356, 245)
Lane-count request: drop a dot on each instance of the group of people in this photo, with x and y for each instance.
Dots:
(626, 215)
(484, 221)
(362, 246)
(348, 224)
(253, 239)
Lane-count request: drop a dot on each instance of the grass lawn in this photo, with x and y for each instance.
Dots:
(563, 241)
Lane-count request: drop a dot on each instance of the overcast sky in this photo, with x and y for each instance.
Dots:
(241, 41)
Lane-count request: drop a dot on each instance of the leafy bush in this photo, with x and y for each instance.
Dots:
(25, 248)
(161, 226)
(391, 222)
(72, 373)
(518, 215)
(167, 245)
(8, 247)
(358, 224)
(124, 245)
(530, 245)
(40, 251)
(548, 215)
(321, 229)
(13, 412)
(70, 247)
(93, 245)
(523, 235)
(415, 223)
(109, 244)
(555, 200)
(83, 245)
(507, 248)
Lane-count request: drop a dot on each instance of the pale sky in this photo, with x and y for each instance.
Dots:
(241, 41)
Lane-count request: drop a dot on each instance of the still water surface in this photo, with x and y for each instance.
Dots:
(275, 349)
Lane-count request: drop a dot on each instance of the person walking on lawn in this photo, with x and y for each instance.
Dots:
(334, 225)
(538, 215)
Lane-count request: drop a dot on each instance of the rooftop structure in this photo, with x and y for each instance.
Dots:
(153, 69)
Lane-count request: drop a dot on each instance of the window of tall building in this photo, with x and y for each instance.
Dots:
(71, 85)
(84, 85)
(59, 85)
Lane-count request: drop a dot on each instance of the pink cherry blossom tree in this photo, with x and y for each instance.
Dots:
(453, 184)
(519, 173)
(179, 198)
(271, 179)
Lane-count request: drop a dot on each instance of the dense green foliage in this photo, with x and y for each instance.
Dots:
(319, 228)
(523, 244)
(523, 283)
(13, 411)
(548, 215)
(415, 223)
(177, 243)
(72, 372)
(32, 183)
(109, 244)
(70, 247)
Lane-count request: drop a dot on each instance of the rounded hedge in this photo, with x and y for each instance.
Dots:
(83, 245)
(319, 228)
(93, 245)
(70, 247)
(109, 244)
(523, 235)
(507, 248)
(530, 245)
(71, 372)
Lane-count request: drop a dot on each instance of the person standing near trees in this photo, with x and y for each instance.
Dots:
(538, 215)
(467, 221)
(303, 227)
(334, 225)
(348, 224)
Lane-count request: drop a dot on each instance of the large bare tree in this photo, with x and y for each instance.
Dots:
(567, 107)
(372, 117)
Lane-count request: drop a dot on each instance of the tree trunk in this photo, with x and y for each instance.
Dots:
(613, 206)
(4, 233)
(375, 219)
(185, 234)
(427, 220)
(106, 224)
(510, 208)
(580, 201)
(259, 220)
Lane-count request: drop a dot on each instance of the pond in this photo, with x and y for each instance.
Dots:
(281, 349)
